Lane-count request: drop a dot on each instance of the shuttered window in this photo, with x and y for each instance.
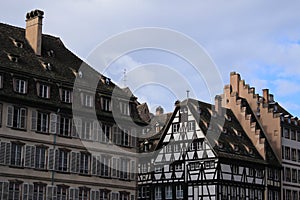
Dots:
(84, 162)
(16, 154)
(51, 192)
(4, 190)
(16, 117)
(96, 165)
(40, 157)
(27, 191)
(73, 194)
(14, 191)
(75, 162)
(29, 156)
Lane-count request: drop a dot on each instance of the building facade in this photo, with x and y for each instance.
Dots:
(280, 128)
(46, 152)
(204, 153)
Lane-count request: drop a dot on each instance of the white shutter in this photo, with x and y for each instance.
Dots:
(71, 194)
(23, 118)
(33, 120)
(94, 165)
(10, 110)
(29, 156)
(95, 131)
(75, 156)
(5, 191)
(7, 153)
(51, 159)
(2, 152)
(53, 123)
(77, 127)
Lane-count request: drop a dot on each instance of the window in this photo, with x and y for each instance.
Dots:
(251, 193)
(51, 192)
(293, 135)
(84, 162)
(66, 96)
(132, 170)
(65, 126)
(16, 117)
(104, 166)
(191, 126)
(104, 194)
(73, 194)
(62, 192)
(86, 130)
(178, 167)
(179, 192)
(20, 86)
(115, 167)
(16, 154)
(116, 135)
(276, 175)
(194, 166)
(287, 153)
(95, 195)
(14, 191)
(124, 108)
(175, 128)
(251, 172)
(114, 196)
(4, 190)
(39, 191)
(235, 169)
(286, 133)
(44, 91)
(124, 168)
(298, 136)
(105, 136)
(63, 160)
(196, 146)
(125, 138)
(294, 176)
(168, 191)
(1, 107)
(40, 157)
(288, 174)
(105, 104)
(294, 154)
(84, 193)
(40, 121)
(298, 176)
(259, 173)
(124, 196)
(88, 100)
(157, 193)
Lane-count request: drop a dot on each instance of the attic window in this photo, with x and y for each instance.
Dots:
(107, 81)
(18, 43)
(224, 130)
(50, 53)
(228, 118)
(47, 66)
(220, 145)
(13, 58)
(236, 147)
(80, 74)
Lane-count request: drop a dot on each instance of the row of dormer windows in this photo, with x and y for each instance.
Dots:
(64, 125)
(41, 157)
(43, 90)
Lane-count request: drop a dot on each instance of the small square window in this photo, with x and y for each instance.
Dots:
(106, 104)
(66, 95)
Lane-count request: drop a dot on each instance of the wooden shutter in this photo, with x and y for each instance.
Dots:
(10, 111)
(53, 123)
(75, 156)
(29, 156)
(7, 153)
(34, 120)
(2, 152)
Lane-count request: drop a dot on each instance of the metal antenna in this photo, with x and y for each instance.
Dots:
(187, 93)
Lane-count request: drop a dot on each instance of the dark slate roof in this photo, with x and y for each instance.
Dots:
(65, 66)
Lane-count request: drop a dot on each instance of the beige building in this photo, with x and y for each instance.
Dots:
(268, 123)
(45, 152)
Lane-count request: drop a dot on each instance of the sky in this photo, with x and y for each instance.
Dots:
(258, 39)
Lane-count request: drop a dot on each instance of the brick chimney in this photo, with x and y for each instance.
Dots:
(266, 95)
(234, 82)
(33, 31)
(218, 104)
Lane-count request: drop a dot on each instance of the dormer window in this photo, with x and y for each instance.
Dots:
(107, 81)
(13, 58)
(87, 100)
(229, 118)
(43, 90)
(124, 108)
(47, 66)
(236, 148)
(105, 104)
(17, 43)
(66, 95)
(224, 130)
(20, 86)
(50, 53)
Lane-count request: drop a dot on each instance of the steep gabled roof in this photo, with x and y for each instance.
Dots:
(223, 132)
